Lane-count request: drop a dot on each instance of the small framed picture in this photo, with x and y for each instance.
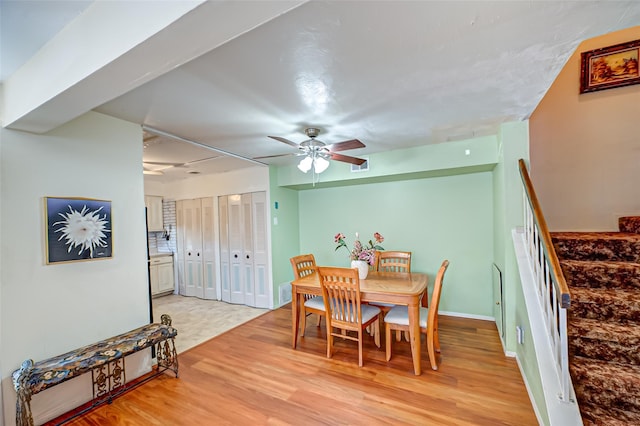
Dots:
(609, 67)
(77, 229)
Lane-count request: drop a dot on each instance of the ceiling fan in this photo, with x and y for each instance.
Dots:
(317, 153)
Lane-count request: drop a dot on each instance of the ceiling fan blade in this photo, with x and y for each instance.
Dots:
(343, 146)
(283, 140)
(347, 159)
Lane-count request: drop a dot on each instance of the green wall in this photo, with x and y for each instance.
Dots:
(436, 219)
(284, 233)
(514, 145)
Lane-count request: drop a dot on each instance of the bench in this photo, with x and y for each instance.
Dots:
(105, 360)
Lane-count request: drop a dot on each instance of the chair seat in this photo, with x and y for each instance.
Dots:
(400, 315)
(368, 312)
(315, 302)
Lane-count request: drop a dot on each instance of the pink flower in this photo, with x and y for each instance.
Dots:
(360, 252)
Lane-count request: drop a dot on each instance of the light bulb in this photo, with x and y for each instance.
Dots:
(320, 164)
(305, 164)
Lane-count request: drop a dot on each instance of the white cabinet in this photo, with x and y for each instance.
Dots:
(155, 221)
(161, 274)
(244, 249)
(196, 248)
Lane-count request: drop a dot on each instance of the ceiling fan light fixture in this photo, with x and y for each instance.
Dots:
(320, 164)
(305, 164)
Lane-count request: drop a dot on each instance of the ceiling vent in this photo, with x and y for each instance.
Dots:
(362, 167)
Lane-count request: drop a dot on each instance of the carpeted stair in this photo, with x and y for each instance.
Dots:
(602, 270)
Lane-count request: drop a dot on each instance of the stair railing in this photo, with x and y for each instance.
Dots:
(552, 290)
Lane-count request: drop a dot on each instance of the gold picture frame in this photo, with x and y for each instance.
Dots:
(609, 67)
(77, 229)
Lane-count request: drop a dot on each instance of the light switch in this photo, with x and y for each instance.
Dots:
(275, 220)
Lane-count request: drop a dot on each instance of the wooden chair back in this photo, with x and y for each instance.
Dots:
(341, 292)
(342, 303)
(303, 265)
(433, 337)
(393, 261)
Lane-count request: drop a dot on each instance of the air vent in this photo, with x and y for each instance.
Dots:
(362, 167)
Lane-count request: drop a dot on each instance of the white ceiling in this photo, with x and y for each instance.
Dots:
(392, 74)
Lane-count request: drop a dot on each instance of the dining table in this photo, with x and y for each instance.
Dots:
(398, 288)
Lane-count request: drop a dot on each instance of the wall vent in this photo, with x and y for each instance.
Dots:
(362, 167)
(285, 293)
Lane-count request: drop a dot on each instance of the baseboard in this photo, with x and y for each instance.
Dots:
(470, 316)
(526, 385)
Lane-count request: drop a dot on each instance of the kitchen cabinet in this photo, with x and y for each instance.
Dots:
(161, 274)
(155, 222)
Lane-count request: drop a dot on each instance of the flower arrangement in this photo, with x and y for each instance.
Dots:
(359, 251)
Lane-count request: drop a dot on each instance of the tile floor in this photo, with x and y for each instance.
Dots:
(199, 320)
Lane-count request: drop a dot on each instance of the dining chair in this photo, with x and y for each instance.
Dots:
(392, 261)
(345, 312)
(303, 265)
(398, 319)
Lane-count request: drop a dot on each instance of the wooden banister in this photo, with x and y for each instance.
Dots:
(557, 277)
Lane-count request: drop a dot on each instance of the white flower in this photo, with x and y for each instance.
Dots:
(84, 230)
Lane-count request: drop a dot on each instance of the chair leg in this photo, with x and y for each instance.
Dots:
(432, 354)
(398, 335)
(319, 320)
(406, 335)
(376, 332)
(436, 339)
(360, 363)
(329, 341)
(387, 336)
(303, 321)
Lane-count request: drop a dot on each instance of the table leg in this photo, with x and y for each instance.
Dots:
(414, 334)
(295, 318)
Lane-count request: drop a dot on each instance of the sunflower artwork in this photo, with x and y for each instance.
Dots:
(77, 229)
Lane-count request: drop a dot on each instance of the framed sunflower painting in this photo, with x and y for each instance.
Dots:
(77, 229)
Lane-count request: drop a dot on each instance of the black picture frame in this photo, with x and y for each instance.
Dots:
(77, 229)
(609, 67)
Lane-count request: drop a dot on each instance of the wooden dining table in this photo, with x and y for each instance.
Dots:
(399, 288)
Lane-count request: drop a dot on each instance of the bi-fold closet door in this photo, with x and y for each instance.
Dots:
(196, 248)
(244, 249)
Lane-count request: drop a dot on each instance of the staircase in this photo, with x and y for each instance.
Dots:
(602, 270)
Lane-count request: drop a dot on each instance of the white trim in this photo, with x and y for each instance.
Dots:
(559, 412)
(470, 316)
(526, 385)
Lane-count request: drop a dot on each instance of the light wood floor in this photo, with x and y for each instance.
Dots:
(251, 376)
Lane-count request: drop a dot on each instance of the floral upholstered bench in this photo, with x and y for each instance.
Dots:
(105, 360)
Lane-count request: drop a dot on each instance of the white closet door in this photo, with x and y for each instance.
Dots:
(180, 228)
(235, 249)
(223, 215)
(260, 250)
(247, 250)
(208, 249)
(193, 249)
